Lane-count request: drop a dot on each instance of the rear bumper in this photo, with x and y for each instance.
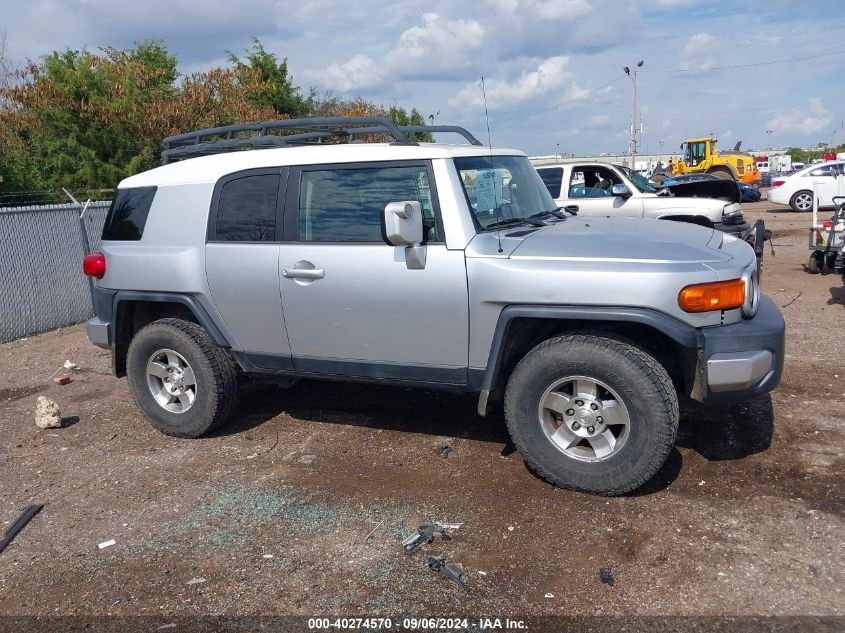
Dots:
(99, 333)
(744, 359)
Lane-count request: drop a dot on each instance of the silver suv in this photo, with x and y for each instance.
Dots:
(442, 266)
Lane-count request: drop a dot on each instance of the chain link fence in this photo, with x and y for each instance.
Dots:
(41, 282)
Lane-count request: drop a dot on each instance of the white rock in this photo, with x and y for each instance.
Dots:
(47, 414)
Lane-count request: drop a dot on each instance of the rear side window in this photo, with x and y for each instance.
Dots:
(552, 178)
(246, 211)
(128, 213)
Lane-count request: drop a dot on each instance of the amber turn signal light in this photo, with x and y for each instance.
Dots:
(718, 295)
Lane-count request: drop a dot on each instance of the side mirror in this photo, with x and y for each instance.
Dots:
(620, 190)
(403, 226)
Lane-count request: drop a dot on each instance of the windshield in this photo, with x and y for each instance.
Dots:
(503, 189)
(640, 182)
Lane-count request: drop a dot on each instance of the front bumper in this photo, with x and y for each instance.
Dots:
(743, 359)
(740, 230)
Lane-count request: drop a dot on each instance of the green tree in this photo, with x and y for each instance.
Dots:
(272, 85)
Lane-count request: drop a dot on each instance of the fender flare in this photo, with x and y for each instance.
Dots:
(194, 304)
(682, 333)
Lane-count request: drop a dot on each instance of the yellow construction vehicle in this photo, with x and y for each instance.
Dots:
(700, 156)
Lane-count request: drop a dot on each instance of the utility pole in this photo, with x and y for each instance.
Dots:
(632, 147)
(769, 139)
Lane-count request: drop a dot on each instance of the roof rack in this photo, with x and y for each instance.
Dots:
(304, 131)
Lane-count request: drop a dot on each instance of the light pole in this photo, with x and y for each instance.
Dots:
(632, 147)
(660, 156)
(769, 139)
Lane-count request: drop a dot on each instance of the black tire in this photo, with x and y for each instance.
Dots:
(797, 201)
(721, 173)
(641, 383)
(216, 377)
(830, 261)
(815, 264)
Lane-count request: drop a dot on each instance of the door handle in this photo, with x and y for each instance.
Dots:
(303, 273)
(303, 269)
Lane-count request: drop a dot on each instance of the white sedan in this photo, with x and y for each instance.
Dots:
(796, 190)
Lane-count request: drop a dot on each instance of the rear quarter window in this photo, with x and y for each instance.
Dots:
(552, 178)
(128, 213)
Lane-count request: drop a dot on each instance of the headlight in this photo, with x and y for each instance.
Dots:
(752, 292)
(732, 213)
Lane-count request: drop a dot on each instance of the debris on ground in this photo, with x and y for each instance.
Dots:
(47, 414)
(606, 575)
(19, 524)
(425, 534)
(814, 570)
(62, 380)
(307, 459)
(450, 571)
(196, 581)
(550, 595)
(445, 450)
(106, 544)
(374, 530)
(267, 556)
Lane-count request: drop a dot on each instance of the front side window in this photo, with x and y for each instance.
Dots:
(503, 189)
(346, 205)
(592, 182)
(128, 213)
(246, 211)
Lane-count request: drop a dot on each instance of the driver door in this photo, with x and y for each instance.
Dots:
(589, 189)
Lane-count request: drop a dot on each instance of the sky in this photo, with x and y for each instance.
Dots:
(552, 69)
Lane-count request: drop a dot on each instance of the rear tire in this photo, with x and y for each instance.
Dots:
(184, 383)
(564, 447)
(815, 264)
(801, 201)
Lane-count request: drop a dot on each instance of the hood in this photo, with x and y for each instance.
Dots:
(724, 189)
(624, 239)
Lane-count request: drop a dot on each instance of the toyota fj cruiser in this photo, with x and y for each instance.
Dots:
(425, 264)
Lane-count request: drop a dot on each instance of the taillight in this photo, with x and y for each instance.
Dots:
(94, 265)
(777, 183)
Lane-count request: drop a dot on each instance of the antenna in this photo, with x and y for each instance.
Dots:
(490, 145)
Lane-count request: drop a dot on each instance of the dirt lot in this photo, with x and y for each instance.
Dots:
(747, 517)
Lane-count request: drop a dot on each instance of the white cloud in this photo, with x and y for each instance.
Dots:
(700, 52)
(814, 118)
(555, 10)
(597, 122)
(358, 72)
(437, 44)
(549, 75)
(437, 48)
(675, 3)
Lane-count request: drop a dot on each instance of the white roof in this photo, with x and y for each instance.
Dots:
(212, 168)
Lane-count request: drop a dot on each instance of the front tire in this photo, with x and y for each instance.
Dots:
(592, 413)
(801, 201)
(184, 383)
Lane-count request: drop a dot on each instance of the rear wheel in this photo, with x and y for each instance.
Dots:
(183, 382)
(592, 413)
(816, 263)
(802, 201)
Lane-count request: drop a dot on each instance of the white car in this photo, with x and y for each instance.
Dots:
(599, 188)
(796, 190)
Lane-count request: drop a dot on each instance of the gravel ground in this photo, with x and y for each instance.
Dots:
(746, 518)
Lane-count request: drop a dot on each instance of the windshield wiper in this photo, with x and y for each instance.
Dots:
(556, 212)
(514, 221)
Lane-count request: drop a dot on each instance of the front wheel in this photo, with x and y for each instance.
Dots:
(592, 413)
